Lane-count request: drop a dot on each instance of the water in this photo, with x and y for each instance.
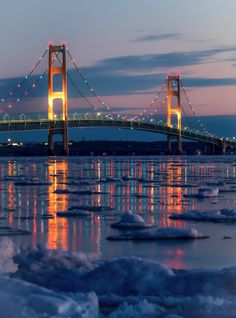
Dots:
(160, 183)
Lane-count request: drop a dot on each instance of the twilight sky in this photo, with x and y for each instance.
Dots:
(125, 49)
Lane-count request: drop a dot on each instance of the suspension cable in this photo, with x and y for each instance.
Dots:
(88, 85)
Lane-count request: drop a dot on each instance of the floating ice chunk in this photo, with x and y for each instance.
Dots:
(127, 178)
(204, 193)
(166, 233)
(131, 220)
(227, 189)
(15, 178)
(73, 213)
(224, 215)
(91, 208)
(207, 192)
(82, 192)
(6, 231)
(140, 195)
(47, 216)
(32, 182)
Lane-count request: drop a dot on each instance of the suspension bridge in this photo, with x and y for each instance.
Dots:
(102, 115)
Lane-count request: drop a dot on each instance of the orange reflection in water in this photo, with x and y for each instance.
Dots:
(171, 195)
(175, 258)
(57, 227)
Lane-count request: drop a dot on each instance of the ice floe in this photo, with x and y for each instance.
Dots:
(204, 193)
(132, 220)
(82, 192)
(166, 233)
(91, 208)
(7, 231)
(73, 213)
(32, 182)
(224, 215)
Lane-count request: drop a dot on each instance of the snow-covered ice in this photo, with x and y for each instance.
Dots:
(131, 220)
(204, 193)
(8, 231)
(224, 215)
(166, 233)
(19, 299)
(46, 283)
(73, 213)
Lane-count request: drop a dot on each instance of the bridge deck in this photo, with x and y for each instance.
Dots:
(57, 124)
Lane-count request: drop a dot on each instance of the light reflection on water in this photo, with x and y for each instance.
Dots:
(155, 189)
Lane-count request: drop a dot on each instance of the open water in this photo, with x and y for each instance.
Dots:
(155, 187)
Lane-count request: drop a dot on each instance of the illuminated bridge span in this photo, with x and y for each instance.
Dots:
(173, 103)
(57, 125)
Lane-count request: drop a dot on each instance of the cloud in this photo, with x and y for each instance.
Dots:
(209, 82)
(151, 62)
(126, 75)
(158, 37)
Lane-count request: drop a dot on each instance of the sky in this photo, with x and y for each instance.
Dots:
(125, 49)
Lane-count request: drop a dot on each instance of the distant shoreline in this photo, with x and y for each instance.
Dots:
(103, 148)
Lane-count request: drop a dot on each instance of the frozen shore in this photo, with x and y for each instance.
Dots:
(46, 283)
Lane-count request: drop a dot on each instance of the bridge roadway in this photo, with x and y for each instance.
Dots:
(57, 124)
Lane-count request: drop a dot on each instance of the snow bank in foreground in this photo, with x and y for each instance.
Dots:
(224, 215)
(126, 287)
(123, 276)
(50, 268)
(164, 233)
(132, 220)
(25, 300)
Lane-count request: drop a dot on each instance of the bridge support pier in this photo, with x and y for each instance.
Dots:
(223, 147)
(213, 149)
(169, 145)
(180, 149)
(170, 148)
(50, 143)
(65, 147)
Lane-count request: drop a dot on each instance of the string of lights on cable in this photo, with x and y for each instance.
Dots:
(92, 91)
(11, 99)
(192, 109)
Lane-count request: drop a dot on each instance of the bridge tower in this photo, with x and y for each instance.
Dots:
(174, 109)
(54, 51)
